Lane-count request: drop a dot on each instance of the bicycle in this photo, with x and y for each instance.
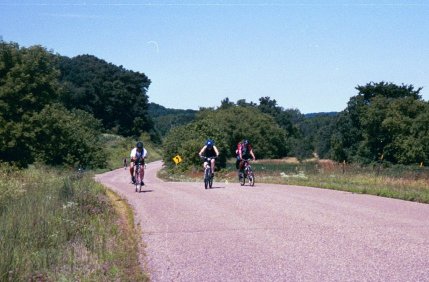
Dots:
(208, 178)
(248, 174)
(138, 171)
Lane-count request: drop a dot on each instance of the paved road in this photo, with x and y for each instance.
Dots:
(274, 232)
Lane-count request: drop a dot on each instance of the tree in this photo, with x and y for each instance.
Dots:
(28, 81)
(226, 103)
(227, 127)
(268, 106)
(112, 94)
(66, 138)
(407, 123)
(313, 135)
(380, 123)
(33, 127)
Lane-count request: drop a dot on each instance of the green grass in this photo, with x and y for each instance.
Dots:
(409, 183)
(60, 226)
(57, 225)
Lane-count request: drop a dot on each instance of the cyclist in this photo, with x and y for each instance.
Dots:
(244, 152)
(209, 151)
(139, 153)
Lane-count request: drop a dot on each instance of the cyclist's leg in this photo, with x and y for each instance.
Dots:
(132, 172)
(241, 166)
(237, 167)
(142, 172)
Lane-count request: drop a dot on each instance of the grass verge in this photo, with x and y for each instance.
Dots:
(61, 227)
(400, 182)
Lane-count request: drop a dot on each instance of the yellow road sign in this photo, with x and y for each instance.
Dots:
(177, 159)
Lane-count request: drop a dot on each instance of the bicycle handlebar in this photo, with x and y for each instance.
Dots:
(205, 158)
(139, 160)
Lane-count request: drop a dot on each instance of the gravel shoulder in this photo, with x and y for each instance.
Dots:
(273, 232)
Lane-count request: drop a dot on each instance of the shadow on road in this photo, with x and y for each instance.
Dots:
(145, 191)
(216, 187)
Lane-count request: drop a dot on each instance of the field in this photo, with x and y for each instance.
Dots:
(409, 183)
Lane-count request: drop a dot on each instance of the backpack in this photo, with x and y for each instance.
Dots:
(244, 149)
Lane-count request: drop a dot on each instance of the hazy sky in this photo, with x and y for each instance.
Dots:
(308, 55)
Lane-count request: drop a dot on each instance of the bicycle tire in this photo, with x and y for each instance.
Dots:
(242, 179)
(138, 178)
(210, 182)
(251, 179)
(206, 178)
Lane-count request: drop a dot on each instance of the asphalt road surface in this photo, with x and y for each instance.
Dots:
(274, 232)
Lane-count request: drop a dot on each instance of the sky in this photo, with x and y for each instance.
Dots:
(306, 55)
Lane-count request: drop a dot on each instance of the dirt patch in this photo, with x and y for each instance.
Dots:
(327, 164)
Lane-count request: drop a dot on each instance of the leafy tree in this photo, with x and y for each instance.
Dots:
(313, 135)
(227, 127)
(387, 90)
(243, 103)
(32, 126)
(187, 141)
(226, 103)
(63, 137)
(28, 81)
(112, 94)
(407, 122)
(268, 106)
(382, 122)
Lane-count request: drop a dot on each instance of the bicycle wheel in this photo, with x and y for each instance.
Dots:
(137, 182)
(138, 178)
(251, 179)
(206, 178)
(210, 181)
(242, 179)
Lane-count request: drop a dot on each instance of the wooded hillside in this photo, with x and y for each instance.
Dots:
(54, 108)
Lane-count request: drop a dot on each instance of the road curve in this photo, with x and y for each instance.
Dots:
(274, 232)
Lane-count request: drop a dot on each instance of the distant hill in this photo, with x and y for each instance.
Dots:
(156, 110)
(166, 119)
(312, 115)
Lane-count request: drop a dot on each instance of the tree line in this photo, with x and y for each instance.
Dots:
(383, 122)
(53, 109)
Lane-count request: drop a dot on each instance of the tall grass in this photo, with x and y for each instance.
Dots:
(56, 226)
(409, 183)
(402, 182)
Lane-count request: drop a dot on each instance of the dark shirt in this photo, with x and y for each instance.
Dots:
(209, 152)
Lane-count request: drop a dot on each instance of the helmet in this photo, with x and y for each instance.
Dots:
(139, 145)
(246, 142)
(209, 143)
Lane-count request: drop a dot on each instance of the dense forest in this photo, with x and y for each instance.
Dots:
(53, 110)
